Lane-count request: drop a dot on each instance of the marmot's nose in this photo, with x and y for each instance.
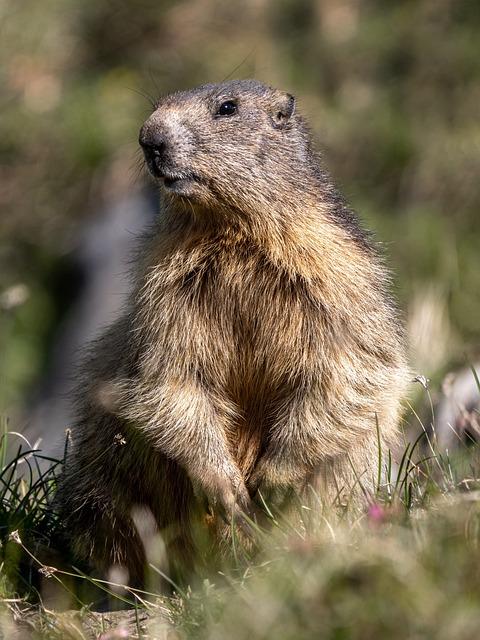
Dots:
(154, 145)
(152, 141)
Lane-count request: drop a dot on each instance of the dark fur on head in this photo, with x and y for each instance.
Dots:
(259, 348)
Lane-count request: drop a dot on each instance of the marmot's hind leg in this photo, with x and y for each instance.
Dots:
(105, 536)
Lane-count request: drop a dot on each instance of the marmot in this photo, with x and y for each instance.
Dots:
(260, 346)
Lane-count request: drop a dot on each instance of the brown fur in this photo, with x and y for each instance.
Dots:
(259, 346)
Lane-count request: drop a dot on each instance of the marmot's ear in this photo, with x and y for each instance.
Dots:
(282, 110)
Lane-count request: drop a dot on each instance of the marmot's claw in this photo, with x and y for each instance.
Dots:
(272, 485)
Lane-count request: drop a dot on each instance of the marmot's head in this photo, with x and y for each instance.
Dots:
(238, 145)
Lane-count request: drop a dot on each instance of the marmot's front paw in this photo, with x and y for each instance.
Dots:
(226, 494)
(275, 482)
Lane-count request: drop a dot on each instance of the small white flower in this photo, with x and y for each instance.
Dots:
(14, 296)
(47, 571)
(421, 379)
(15, 537)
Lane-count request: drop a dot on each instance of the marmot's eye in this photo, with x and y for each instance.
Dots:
(227, 108)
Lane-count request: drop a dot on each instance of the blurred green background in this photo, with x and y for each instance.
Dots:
(392, 90)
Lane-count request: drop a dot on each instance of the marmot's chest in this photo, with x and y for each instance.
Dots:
(248, 294)
(236, 319)
(252, 312)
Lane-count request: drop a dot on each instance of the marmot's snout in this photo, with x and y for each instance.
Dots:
(167, 153)
(153, 143)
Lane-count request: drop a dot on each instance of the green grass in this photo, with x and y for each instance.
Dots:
(27, 482)
(406, 566)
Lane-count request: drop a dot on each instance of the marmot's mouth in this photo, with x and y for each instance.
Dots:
(157, 169)
(180, 182)
(170, 179)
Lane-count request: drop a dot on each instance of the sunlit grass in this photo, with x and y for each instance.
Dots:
(407, 565)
